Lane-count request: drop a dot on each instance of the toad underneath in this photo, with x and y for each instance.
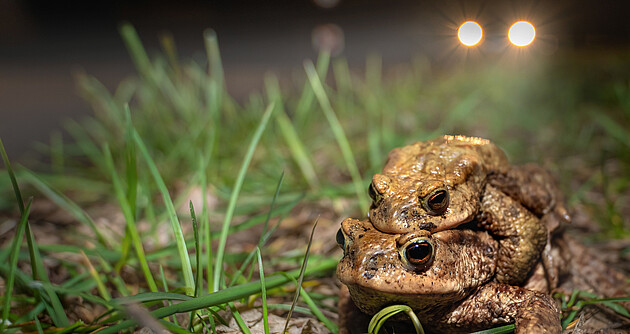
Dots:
(445, 277)
(444, 183)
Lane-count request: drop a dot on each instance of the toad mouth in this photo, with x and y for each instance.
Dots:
(454, 221)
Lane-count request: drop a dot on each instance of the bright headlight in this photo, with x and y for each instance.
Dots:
(469, 33)
(522, 33)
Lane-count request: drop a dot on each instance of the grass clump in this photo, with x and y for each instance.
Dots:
(172, 138)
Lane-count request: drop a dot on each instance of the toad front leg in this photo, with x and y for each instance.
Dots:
(533, 187)
(495, 303)
(522, 236)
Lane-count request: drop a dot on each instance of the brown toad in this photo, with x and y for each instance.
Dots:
(446, 277)
(443, 183)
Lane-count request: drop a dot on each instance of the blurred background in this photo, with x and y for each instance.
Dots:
(43, 43)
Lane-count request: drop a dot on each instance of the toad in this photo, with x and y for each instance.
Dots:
(446, 277)
(443, 183)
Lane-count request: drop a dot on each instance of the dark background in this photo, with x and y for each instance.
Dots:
(42, 43)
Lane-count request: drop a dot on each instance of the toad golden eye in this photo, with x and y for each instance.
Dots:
(436, 202)
(419, 252)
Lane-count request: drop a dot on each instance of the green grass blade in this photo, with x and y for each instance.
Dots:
(239, 320)
(168, 45)
(67, 204)
(114, 277)
(130, 164)
(229, 294)
(37, 265)
(168, 202)
(340, 136)
(198, 265)
(378, 320)
(97, 278)
(214, 57)
(127, 211)
(298, 286)
(56, 310)
(266, 233)
(16, 188)
(612, 127)
(263, 292)
(205, 221)
(161, 297)
(306, 99)
(173, 328)
(498, 330)
(218, 269)
(13, 259)
(298, 150)
(318, 313)
(85, 142)
(56, 152)
(136, 50)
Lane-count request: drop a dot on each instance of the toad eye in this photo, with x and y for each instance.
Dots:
(341, 239)
(436, 202)
(419, 252)
(374, 195)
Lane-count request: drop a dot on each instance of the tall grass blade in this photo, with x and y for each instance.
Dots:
(298, 150)
(54, 308)
(265, 235)
(198, 265)
(37, 266)
(215, 65)
(205, 222)
(263, 290)
(218, 269)
(13, 259)
(340, 136)
(306, 99)
(175, 226)
(97, 278)
(136, 50)
(168, 45)
(128, 213)
(130, 163)
(298, 286)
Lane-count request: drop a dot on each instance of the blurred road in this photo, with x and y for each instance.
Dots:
(43, 42)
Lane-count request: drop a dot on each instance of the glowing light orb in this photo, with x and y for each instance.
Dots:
(522, 33)
(469, 33)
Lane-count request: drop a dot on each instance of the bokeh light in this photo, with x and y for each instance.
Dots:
(327, 3)
(329, 38)
(469, 33)
(522, 33)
